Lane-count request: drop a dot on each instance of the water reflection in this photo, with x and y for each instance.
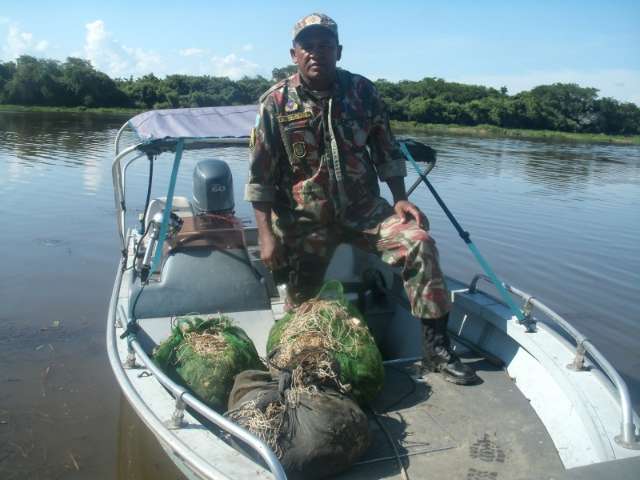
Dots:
(548, 168)
(56, 138)
(92, 175)
(568, 178)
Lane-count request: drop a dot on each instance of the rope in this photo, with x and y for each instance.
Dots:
(396, 453)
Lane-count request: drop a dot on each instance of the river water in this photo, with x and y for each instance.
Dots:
(560, 221)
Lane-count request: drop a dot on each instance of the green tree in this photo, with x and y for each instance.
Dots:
(252, 88)
(7, 71)
(144, 92)
(614, 116)
(568, 106)
(561, 106)
(35, 82)
(88, 87)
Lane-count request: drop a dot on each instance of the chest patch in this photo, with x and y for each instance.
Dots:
(299, 149)
(291, 106)
(294, 116)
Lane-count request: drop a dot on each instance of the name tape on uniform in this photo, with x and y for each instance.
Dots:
(294, 116)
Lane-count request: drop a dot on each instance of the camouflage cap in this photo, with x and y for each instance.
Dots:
(315, 20)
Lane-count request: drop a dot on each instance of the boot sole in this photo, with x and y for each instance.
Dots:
(460, 381)
(475, 379)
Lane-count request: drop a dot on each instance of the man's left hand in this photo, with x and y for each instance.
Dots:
(405, 210)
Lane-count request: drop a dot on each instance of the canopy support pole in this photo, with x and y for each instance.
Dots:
(155, 265)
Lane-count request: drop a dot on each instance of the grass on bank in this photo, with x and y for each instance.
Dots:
(35, 108)
(426, 128)
(499, 132)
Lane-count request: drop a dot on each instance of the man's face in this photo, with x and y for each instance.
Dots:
(316, 52)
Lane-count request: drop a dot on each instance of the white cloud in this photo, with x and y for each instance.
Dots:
(19, 43)
(191, 52)
(109, 55)
(104, 52)
(621, 84)
(233, 66)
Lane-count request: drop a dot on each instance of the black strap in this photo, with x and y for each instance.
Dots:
(132, 329)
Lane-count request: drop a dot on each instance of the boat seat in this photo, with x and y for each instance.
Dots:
(207, 231)
(206, 268)
(201, 280)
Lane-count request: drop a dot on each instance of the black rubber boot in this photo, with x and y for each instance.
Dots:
(440, 357)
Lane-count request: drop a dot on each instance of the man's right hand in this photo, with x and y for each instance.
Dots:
(270, 251)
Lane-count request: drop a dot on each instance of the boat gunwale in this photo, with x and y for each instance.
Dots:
(179, 394)
(627, 437)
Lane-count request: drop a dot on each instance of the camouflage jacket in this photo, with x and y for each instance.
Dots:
(313, 169)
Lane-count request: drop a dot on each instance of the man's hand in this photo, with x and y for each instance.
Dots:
(270, 248)
(270, 251)
(403, 207)
(405, 210)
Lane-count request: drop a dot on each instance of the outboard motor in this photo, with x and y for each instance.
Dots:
(212, 187)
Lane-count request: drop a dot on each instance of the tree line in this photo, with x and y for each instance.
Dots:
(561, 106)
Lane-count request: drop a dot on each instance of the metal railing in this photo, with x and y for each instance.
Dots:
(627, 438)
(183, 398)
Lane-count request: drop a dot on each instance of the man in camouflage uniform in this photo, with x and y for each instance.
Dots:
(321, 142)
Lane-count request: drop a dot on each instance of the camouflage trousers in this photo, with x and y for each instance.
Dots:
(308, 248)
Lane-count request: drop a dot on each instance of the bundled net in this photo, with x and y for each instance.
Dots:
(206, 354)
(315, 430)
(329, 336)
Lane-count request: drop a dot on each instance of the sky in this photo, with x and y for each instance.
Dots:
(517, 44)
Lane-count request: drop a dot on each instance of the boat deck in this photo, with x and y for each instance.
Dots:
(442, 430)
(434, 428)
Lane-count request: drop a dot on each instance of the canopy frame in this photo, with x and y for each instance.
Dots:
(158, 131)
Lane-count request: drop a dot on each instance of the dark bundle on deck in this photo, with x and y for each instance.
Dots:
(206, 354)
(316, 431)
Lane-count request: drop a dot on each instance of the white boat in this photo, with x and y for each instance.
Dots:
(550, 404)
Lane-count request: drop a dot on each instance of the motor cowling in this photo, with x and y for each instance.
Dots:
(213, 187)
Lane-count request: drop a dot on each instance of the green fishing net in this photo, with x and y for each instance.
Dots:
(205, 354)
(329, 323)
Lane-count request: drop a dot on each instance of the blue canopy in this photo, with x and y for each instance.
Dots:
(199, 127)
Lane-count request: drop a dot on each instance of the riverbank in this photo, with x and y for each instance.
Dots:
(499, 132)
(36, 108)
(487, 131)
